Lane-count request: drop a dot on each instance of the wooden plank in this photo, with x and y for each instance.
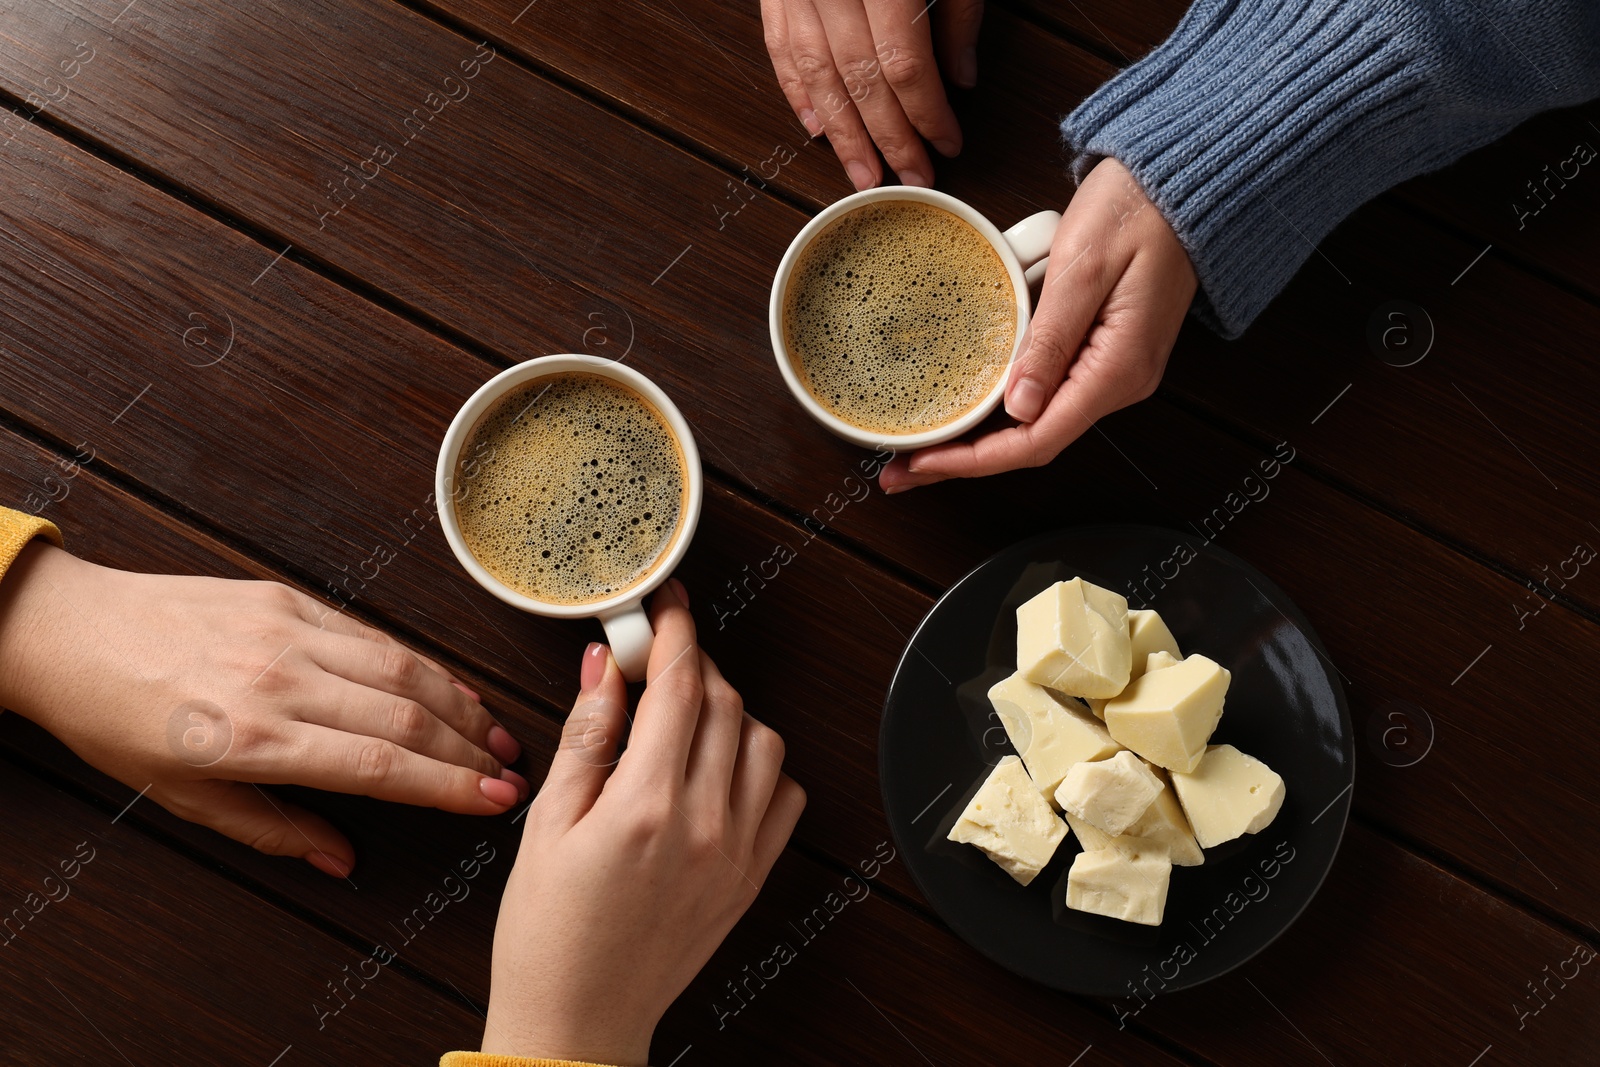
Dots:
(1551, 227)
(1443, 996)
(1024, 73)
(1120, 32)
(116, 949)
(1483, 437)
(302, 340)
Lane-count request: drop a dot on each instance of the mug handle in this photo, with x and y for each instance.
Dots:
(1030, 241)
(629, 635)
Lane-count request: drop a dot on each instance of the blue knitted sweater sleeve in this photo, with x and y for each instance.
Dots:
(1260, 124)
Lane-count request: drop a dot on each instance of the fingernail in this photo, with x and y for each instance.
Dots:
(678, 590)
(809, 120)
(918, 481)
(1026, 400)
(860, 176)
(912, 177)
(502, 746)
(594, 665)
(499, 792)
(517, 781)
(327, 864)
(966, 73)
(467, 691)
(893, 489)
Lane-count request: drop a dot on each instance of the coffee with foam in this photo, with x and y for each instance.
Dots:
(573, 487)
(900, 317)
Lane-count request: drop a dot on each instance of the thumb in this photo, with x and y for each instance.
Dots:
(589, 741)
(1074, 289)
(249, 814)
(955, 31)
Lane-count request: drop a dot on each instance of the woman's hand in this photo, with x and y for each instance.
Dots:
(201, 688)
(864, 73)
(632, 871)
(1116, 291)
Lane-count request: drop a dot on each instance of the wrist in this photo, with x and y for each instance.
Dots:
(34, 621)
(1255, 128)
(583, 1039)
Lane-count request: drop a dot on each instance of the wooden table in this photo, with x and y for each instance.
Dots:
(221, 357)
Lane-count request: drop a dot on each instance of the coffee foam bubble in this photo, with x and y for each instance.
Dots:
(573, 486)
(900, 317)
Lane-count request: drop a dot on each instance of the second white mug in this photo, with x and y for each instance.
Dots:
(1024, 249)
(622, 614)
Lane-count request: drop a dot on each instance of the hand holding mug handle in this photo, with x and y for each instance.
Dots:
(1031, 239)
(1116, 291)
(629, 635)
(627, 627)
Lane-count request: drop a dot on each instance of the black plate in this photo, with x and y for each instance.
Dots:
(1285, 705)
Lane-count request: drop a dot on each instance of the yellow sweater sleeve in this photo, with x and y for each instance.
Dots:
(484, 1059)
(17, 528)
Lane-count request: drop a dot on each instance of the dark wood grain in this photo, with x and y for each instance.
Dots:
(1356, 984)
(729, 104)
(126, 952)
(1474, 425)
(901, 957)
(1118, 31)
(1400, 937)
(1551, 228)
(320, 509)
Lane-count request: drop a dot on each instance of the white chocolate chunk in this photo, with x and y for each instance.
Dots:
(1155, 661)
(1050, 732)
(1073, 637)
(1228, 794)
(1147, 633)
(1164, 823)
(1142, 665)
(1127, 882)
(1167, 715)
(1090, 836)
(1109, 794)
(1010, 822)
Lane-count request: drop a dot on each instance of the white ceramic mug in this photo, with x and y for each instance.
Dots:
(623, 616)
(1025, 251)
